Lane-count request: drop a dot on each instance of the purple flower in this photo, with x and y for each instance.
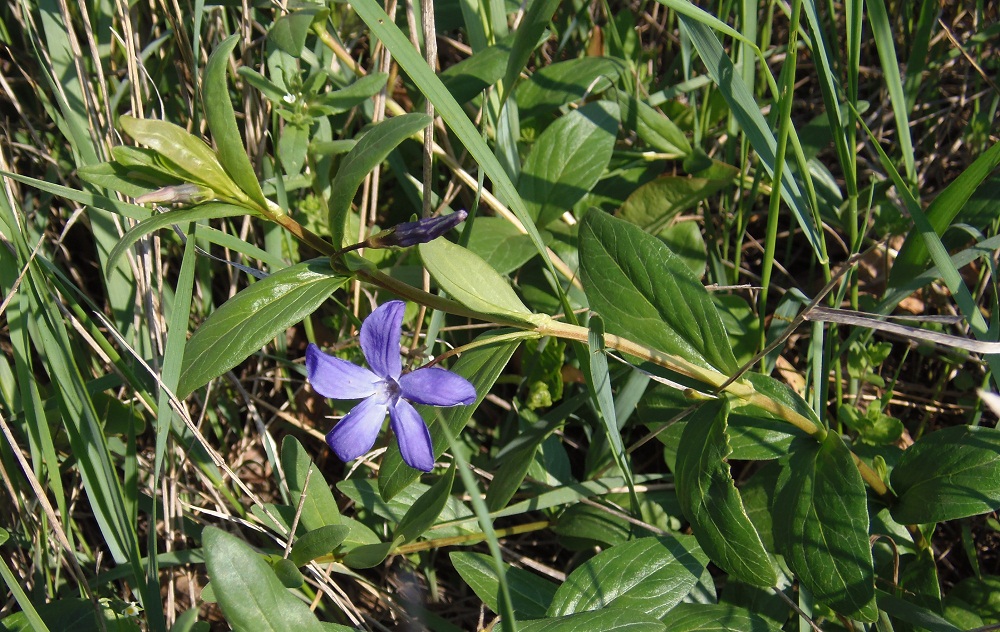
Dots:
(385, 388)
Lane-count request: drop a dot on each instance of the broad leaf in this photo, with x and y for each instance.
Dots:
(567, 160)
(423, 513)
(645, 292)
(318, 542)
(500, 244)
(648, 576)
(246, 322)
(530, 594)
(319, 508)
(222, 121)
(821, 526)
(181, 154)
(653, 205)
(248, 591)
(370, 150)
(557, 84)
(710, 617)
(608, 620)
(948, 474)
(712, 503)
(471, 281)
(481, 366)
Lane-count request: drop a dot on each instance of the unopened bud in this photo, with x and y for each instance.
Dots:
(418, 232)
(177, 194)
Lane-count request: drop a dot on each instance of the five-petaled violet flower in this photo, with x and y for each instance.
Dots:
(385, 388)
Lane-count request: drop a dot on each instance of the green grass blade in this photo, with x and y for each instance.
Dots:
(885, 42)
(744, 107)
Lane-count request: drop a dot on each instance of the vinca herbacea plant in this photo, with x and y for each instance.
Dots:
(384, 388)
(618, 274)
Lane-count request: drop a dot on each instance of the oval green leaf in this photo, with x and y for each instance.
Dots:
(318, 542)
(246, 322)
(530, 594)
(645, 292)
(711, 502)
(471, 281)
(567, 160)
(222, 121)
(821, 526)
(319, 507)
(188, 156)
(948, 474)
(425, 511)
(248, 591)
(714, 617)
(648, 576)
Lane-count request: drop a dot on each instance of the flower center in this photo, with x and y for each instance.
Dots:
(388, 389)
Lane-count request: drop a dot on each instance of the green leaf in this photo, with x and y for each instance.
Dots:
(289, 31)
(222, 121)
(131, 181)
(921, 617)
(469, 77)
(609, 620)
(350, 96)
(648, 576)
(246, 322)
(582, 527)
(599, 385)
(914, 257)
(186, 156)
(711, 617)
(652, 206)
(711, 502)
(319, 508)
(645, 292)
(371, 150)
(364, 493)
(369, 555)
(530, 594)
(78, 615)
(318, 542)
(821, 526)
(536, 20)
(210, 210)
(654, 128)
(567, 160)
(500, 244)
(948, 474)
(248, 591)
(481, 366)
(563, 82)
(471, 281)
(423, 513)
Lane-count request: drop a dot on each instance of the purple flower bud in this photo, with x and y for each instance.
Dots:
(418, 232)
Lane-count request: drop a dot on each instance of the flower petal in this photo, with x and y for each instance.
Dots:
(437, 387)
(380, 339)
(336, 378)
(412, 435)
(355, 434)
